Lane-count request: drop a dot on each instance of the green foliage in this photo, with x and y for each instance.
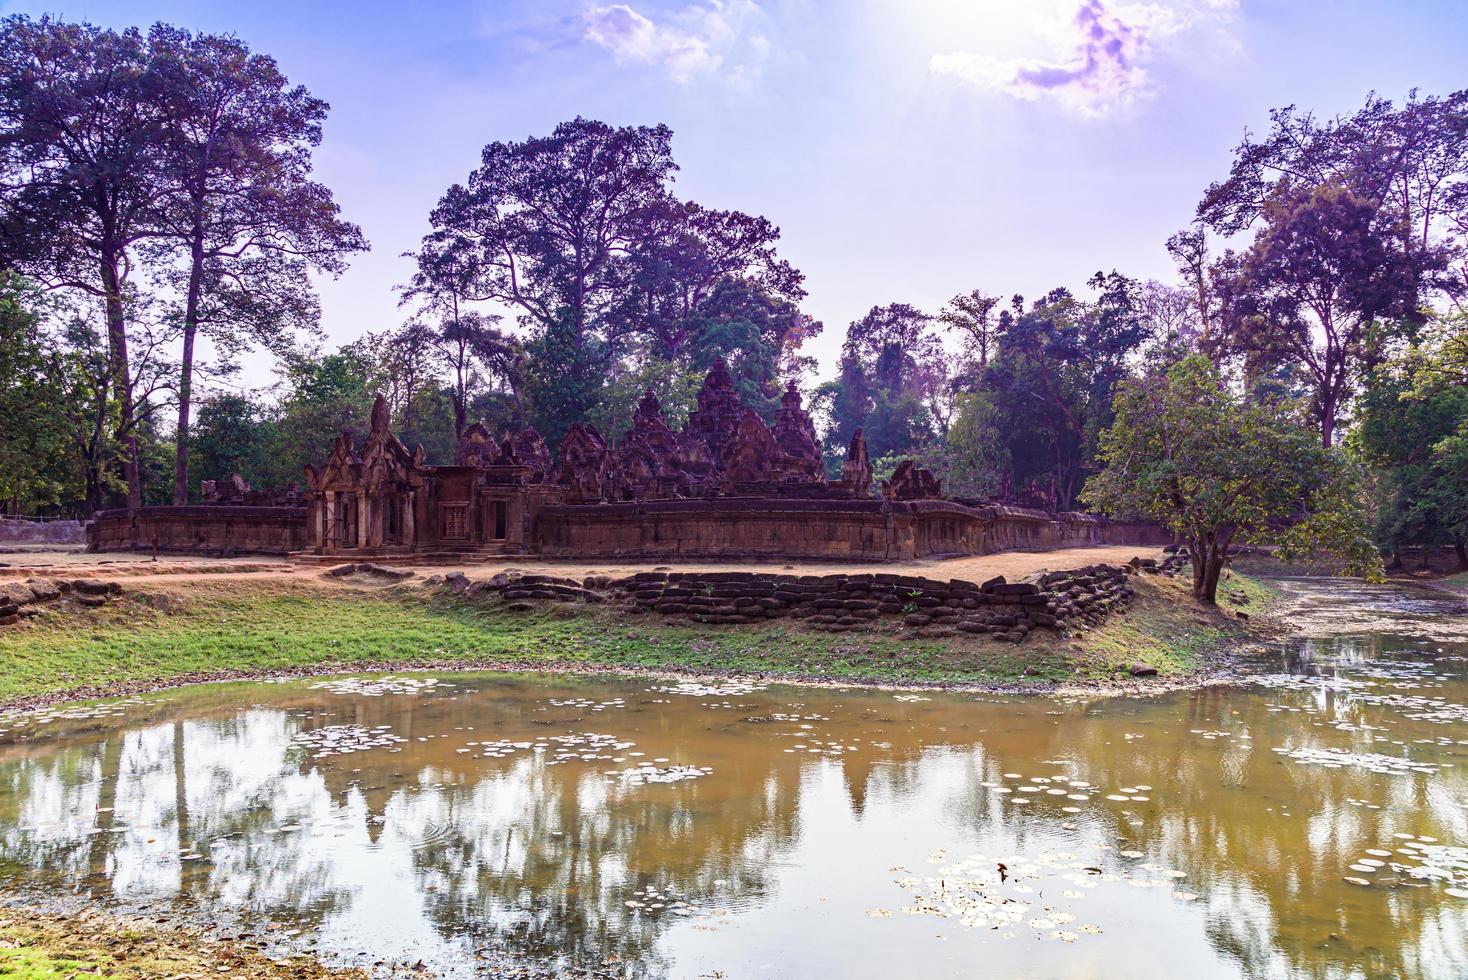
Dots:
(563, 377)
(675, 386)
(975, 453)
(1412, 430)
(35, 435)
(1188, 452)
(325, 396)
(1032, 417)
(431, 415)
(233, 434)
(893, 376)
(1327, 288)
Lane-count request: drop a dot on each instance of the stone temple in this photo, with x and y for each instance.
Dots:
(726, 485)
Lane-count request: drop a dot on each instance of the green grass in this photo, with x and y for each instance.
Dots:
(164, 632)
(44, 945)
(23, 963)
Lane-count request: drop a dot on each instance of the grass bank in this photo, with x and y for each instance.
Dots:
(158, 633)
(54, 946)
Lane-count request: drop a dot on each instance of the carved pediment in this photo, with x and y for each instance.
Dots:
(342, 465)
(476, 447)
(911, 482)
(750, 452)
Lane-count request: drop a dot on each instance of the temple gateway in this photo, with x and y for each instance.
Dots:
(726, 485)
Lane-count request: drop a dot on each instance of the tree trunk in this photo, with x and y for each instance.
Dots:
(1210, 556)
(1461, 549)
(186, 367)
(121, 375)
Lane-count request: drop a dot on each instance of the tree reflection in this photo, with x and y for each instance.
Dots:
(193, 797)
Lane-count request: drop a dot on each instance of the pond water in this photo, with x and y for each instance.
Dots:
(1312, 823)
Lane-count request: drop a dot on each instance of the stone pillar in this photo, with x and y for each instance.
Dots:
(333, 526)
(409, 525)
(364, 508)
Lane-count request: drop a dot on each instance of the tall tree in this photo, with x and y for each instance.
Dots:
(894, 380)
(470, 347)
(973, 316)
(1059, 364)
(1327, 284)
(1411, 160)
(324, 396)
(400, 363)
(241, 208)
(468, 342)
(546, 226)
(1404, 434)
(234, 434)
(79, 173)
(691, 253)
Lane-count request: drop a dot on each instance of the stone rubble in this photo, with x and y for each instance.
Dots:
(19, 600)
(1068, 601)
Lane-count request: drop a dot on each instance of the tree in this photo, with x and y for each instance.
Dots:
(757, 334)
(239, 204)
(1326, 284)
(34, 392)
(893, 382)
(234, 434)
(546, 226)
(1053, 381)
(1405, 435)
(400, 364)
(977, 449)
(470, 343)
(467, 340)
(563, 378)
(1189, 453)
(973, 316)
(79, 164)
(579, 234)
(675, 386)
(691, 253)
(1412, 161)
(325, 396)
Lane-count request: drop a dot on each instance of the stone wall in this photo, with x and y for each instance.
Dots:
(756, 527)
(842, 530)
(735, 528)
(211, 530)
(14, 531)
(1066, 601)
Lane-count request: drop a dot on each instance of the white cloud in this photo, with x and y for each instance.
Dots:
(695, 41)
(1105, 69)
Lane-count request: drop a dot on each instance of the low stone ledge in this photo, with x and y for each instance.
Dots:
(1067, 602)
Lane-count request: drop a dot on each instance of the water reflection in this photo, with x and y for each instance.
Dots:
(502, 819)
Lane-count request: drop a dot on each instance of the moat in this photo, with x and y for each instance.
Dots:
(1312, 822)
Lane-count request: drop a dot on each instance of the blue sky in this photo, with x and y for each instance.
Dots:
(908, 150)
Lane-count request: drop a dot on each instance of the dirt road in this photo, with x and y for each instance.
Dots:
(1011, 564)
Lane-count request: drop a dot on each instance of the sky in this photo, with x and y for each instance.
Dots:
(908, 150)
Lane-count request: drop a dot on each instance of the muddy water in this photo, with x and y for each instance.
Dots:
(1310, 824)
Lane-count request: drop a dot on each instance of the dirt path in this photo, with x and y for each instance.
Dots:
(973, 568)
